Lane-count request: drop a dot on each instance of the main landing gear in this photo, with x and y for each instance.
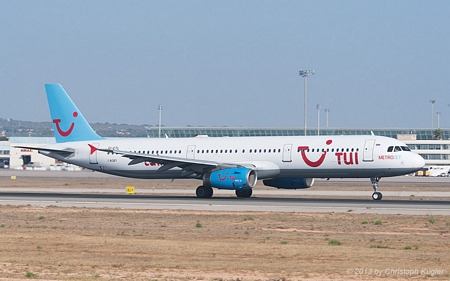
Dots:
(204, 191)
(247, 192)
(376, 195)
(207, 192)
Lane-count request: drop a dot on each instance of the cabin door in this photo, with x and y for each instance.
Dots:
(287, 149)
(93, 153)
(368, 150)
(190, 154)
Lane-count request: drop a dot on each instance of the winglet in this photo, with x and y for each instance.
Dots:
(68, 122)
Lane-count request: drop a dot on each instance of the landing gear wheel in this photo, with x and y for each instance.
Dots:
(204, 192)
(377, 196)
(244, 192)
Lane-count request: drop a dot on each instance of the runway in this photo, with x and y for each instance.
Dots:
(334, 199)
(218, 203)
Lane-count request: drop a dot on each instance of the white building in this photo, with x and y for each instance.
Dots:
(435, 152)
(22, 158)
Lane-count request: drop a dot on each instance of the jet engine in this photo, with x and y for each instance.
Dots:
(290, 183)
(232, 178)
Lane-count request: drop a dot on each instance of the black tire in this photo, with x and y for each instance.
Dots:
(377, 196)
(380, 195)
(204, 192)
(245, 193)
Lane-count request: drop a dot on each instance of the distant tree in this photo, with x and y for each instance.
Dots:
(438, 134)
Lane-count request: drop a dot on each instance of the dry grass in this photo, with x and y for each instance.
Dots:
(52, 243)
(106, 244)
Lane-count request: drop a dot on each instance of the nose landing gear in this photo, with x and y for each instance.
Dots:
(376, 195)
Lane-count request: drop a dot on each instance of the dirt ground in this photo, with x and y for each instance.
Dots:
(53, 243)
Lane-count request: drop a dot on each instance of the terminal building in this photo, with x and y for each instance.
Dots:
(434, 149)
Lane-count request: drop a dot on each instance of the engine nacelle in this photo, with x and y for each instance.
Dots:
(290, 183)
(233, 178)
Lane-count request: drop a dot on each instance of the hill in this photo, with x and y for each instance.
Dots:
(17, 128)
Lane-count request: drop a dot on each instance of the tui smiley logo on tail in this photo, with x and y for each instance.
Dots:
(69, 131)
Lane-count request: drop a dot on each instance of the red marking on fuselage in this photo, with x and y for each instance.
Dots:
(147, 163)
(93, 148)
(303, 149)
(349, 158)
(69, 131)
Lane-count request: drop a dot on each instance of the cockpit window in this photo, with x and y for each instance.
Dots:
(398, 148)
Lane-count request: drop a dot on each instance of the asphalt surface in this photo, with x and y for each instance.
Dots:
(262, 200)
(227, 203)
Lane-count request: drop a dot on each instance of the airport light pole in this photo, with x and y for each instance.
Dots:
(305, 74)
(326, 113)
(432, 112)
(439, 119)
(159, 121)
(318, 119)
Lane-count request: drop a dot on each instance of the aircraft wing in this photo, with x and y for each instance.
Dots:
(189, 166)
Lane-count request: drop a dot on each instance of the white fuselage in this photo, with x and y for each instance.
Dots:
(271, 157)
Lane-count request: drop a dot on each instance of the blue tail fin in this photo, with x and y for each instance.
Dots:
(68, 122)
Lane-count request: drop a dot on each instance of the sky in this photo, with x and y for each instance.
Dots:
(230, 63)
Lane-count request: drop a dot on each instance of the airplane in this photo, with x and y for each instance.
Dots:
(231, 163)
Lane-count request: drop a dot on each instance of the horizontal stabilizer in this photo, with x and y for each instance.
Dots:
(63, 152)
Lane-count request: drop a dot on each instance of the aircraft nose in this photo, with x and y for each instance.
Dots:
(419, 162)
